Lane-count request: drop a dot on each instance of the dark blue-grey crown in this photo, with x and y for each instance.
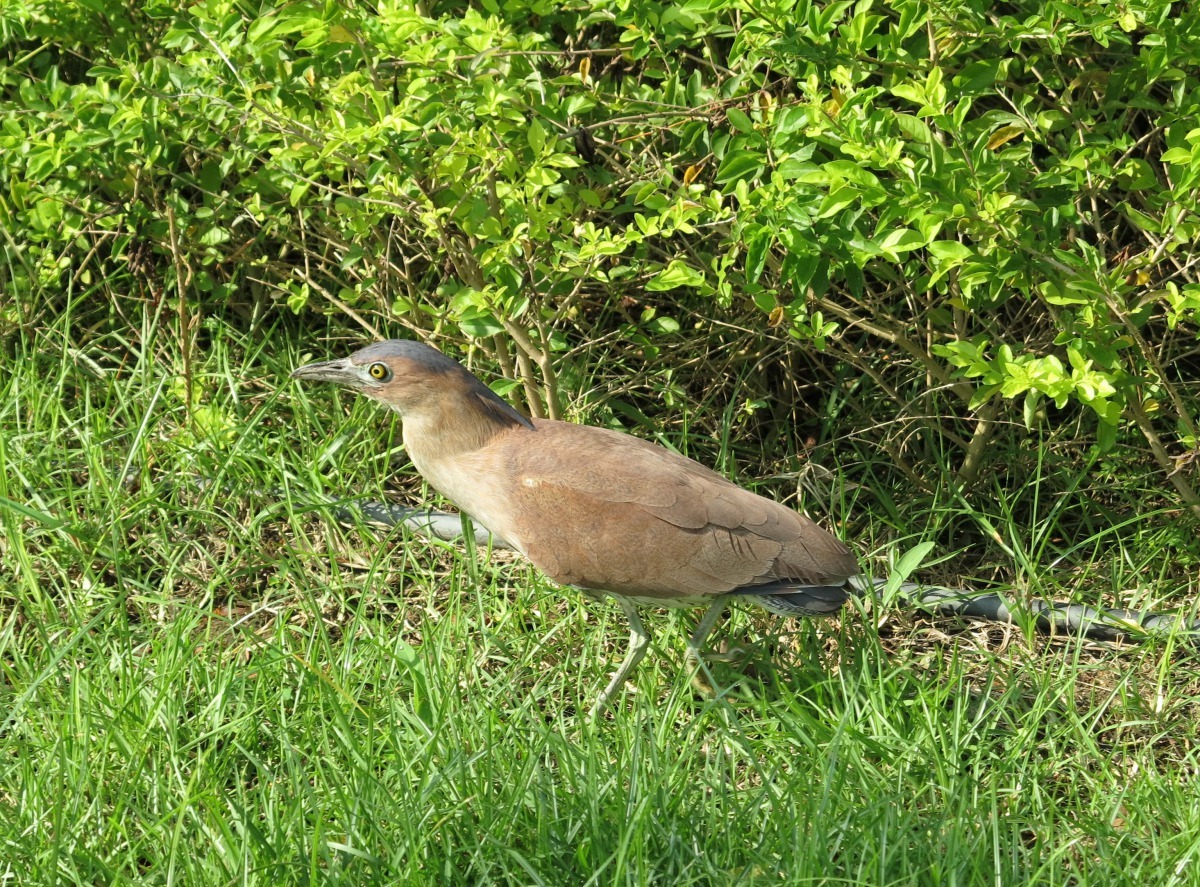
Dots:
(424, 356)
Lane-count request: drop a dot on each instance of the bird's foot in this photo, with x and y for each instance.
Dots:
(703, 684)
(702, 677)
(732, 655)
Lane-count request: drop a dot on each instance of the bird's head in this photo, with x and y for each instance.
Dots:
(412, 378)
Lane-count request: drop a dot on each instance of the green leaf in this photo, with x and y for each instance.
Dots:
(757, 244)
(1141, 220)
(851, 172)
(674, 276)
(47, 520)
(48, 214)
(481, 325)
(902, 240)
(1136, 174)
(663, 325)
(837, 200)
(739, 120)
(910, 91)
(1106, 436)
(536, 136)
(906, 566)
(740, 164)
(949, 251)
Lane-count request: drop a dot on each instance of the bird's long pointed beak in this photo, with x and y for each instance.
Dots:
(340, 371)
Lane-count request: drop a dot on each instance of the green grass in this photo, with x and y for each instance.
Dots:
(208, 686)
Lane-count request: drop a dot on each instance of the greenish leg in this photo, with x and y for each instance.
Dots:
(702, 678)
(639, 642)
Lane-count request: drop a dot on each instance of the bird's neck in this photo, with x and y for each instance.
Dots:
(455, 426)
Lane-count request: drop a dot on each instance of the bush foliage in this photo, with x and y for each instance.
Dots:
(971, 220)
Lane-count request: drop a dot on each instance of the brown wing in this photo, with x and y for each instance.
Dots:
(604, 510)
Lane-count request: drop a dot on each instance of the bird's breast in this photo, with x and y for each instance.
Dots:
(467, 480)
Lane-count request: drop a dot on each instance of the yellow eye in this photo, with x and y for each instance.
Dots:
(380, 371)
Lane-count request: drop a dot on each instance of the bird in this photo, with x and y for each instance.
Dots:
(605, 512)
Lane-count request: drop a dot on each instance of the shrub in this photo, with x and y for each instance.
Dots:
(989, 214)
